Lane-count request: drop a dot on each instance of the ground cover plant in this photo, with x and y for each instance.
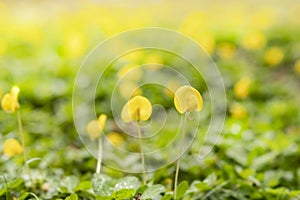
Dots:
(43, 156)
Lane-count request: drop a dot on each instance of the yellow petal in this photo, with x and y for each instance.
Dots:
(115, 138)
(15, 91)
(138, 108)
(226, 50)
(96, 127)
(274, 56)
(297, 67)
(93, 129)
(238, 111)
(102, 121)
(254, 41)
(241, 88)
(10, 102)
(12, 147)
(188, 99)
(125, 113)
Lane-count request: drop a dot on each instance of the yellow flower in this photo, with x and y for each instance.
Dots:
(138, 108)
(238, 111)
(254, 41)
(226, 50)
(95, 127)
(10, 100)
(12, 147)
(297, 67)
(274, 56)
(188, 99)
(241, 88)
(115, 138)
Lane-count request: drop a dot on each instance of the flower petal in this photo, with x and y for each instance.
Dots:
(188, 99)
(10, 102)
(138, 108)
(12, 147)
(93, 129)
(102, 121)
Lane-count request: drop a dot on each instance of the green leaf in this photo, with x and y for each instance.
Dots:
(103, 198)
(84, 185)
(129, 182)
(141, 189)
(123, 194)
(167, 197)
(15, 184)
(153, 192)
(211, 180)
(72, 197)
(102, 185)
(181, 189)
(202, 186)
(69, 183)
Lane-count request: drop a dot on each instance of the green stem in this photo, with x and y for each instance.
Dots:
(179, 155)
(22, 136)
(99, 159)
(142, 153)
(23, 145)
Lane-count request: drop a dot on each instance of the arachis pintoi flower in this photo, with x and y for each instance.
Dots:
(138, 108)
(10, 102)
(95, 127)
(115, 138)
(241, 88)
(188, 99)
(12, 147)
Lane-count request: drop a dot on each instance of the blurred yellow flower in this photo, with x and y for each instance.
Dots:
(274, 56)
(238, 111)
(226, 50)
(188, 99)
(96, 127)
(10, 100)
(115, 138)
(254, 41)
(129, 89)
(297, 67)
(241, 88)
(138, 108)
(131, 72)
(12, 147)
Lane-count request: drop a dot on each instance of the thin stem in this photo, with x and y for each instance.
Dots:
(179, 154)
(23, 145)
(22, 136)
(99, 160)
(142, 153)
